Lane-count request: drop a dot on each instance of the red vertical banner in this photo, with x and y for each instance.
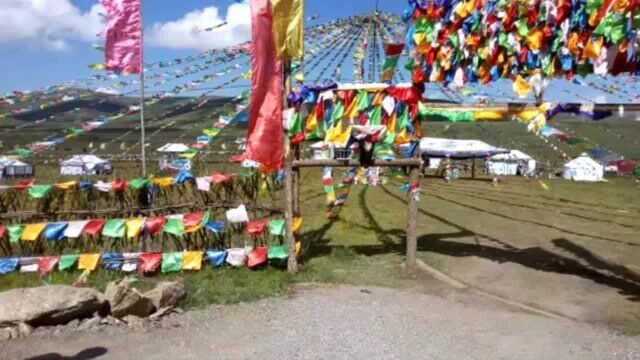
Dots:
(123, 47)
(265, 140)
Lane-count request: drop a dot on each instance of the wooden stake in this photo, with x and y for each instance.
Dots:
(412, 220)
(296, 182)
(292, 263)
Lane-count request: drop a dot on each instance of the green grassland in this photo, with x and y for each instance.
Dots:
(571, 248)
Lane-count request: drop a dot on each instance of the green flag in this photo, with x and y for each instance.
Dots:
(139, 183)
(15, 233)
(39, 191)
(213, 132)
(296, 126)
(337, 114)
(174, 227)
(363, 100)
(67, 262)
(172, 262)
(276, 227)
(375, 117)
(114, 228)
(278, 253)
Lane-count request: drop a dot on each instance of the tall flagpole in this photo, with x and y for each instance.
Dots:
(142, 134)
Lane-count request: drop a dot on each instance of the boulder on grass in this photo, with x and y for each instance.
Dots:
(166, 294)
(48, 305)
(125, 300)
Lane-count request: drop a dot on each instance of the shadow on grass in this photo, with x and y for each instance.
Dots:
(540, 259)
(536, 258)
(473, 195)
(508, 217)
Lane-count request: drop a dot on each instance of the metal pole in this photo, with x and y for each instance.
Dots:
(142, 132)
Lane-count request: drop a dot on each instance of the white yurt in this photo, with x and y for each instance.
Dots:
(10, 168)
(583, 168)
(85, 165)
(510, 164)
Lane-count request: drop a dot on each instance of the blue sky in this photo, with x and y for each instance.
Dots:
(29, 63)
(47, 42)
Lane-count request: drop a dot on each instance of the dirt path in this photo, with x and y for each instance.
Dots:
(345, 323)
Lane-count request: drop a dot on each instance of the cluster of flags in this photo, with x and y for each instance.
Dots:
(40, 191)
(134, 228)
(148, 263)
(481, 41)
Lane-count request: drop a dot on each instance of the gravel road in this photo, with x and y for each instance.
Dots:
(344, 323)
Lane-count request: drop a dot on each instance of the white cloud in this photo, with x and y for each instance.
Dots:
(188, 31)
(47, 23)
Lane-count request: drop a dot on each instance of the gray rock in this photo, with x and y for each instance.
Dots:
(125, 300)
(134, 322)
(166, 294)
(90, 324)
(5, 334)
(73, 324)
(48, 305)
(24, 329)
(161, 312)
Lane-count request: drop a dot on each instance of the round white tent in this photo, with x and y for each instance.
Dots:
(583, 168)
(511, 164)
(10, 168)
(85, 165)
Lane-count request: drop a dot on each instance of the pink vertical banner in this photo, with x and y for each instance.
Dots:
(123, 48)
(265, 140)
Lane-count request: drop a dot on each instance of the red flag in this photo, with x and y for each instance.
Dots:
(94, 227)
(150, 262)
(123, 48)
(193, 219)
(155, 225)
(258, 257)
(266, 134)
(47, 264)
(220, 178)
(119, 185)
(256, 227)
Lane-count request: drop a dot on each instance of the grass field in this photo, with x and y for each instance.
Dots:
(572, 249)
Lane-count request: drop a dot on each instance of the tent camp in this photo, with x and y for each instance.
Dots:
(85, 165)
(170, 160)
(513, 163)
(173, 148)
(457, 149)
(10, 168)
(583, 168)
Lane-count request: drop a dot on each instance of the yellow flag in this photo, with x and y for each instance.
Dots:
(297, 224)
(403, 137)
(352, 109)
(593, 49)
(134, 227)
(312, 122)
(489, 115)
(522, 87)
(32, 231)
(66, 185)
(392, 124)
(288, 28)
(419, 38)
(339, 135)
(192, 260)
(535, 39)
(164, 181)
(88, 262)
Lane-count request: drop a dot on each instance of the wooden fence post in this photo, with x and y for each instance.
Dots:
(412, 219)
(292, 262)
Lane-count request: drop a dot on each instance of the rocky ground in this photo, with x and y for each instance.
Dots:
(337, 322)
